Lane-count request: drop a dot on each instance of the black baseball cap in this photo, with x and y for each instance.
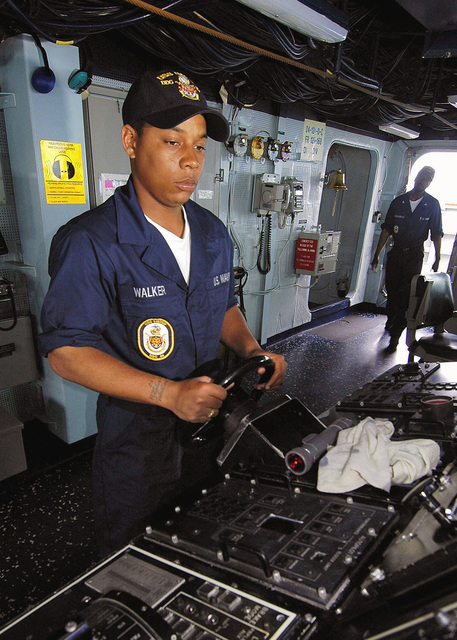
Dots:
(429, 170)
(168, 98)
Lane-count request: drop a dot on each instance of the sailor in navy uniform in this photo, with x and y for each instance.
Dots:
(410, 219)
(141, 293)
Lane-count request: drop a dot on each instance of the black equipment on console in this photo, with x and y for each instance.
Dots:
(145, 594)
(214, 427)
(300, 460)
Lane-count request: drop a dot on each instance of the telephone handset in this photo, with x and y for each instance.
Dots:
(287, 197)
(293, 196)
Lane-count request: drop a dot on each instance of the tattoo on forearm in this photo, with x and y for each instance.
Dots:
(157, 388)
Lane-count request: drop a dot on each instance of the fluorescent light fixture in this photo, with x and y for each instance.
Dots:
(399, 130)
(452, 100)
(300, 17)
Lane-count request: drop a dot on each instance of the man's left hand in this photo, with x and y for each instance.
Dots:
(277, 378)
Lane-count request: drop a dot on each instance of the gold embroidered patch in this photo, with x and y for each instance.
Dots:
(187, 89)
(156, 338)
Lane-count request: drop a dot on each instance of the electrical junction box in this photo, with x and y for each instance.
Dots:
(17, 353)
(12, 454)
(317, 252)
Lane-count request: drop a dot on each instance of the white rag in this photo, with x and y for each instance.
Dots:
(364, 454)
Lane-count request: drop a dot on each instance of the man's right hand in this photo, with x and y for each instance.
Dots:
(195, 399)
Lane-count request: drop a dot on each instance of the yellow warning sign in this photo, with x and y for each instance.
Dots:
(63, 172)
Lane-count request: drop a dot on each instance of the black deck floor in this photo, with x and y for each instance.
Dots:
(46, 526)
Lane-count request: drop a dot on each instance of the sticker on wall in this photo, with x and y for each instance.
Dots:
(63, 172)
(313, 140)
(109, 182)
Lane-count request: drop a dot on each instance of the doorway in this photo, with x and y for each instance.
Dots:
(343, 210)
(444, 189)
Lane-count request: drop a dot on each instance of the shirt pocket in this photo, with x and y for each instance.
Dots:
(151, 326)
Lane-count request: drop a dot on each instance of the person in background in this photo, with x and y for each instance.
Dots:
(141, 294)
(410, 219)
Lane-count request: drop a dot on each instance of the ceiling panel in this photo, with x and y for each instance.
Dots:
(434, 15)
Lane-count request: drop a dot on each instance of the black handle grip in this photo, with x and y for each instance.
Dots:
(244, 367)
(208, 429)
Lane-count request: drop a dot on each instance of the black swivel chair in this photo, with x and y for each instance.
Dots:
(431, 304)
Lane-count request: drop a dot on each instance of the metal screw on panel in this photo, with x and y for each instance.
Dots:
(322, 593)
(391, 508)
(348, 560)
(443, 619)
(71, 626)
(276, 576)
(408, 536)
(377, 575)
(371, 532)
(220, 555)
(204, 492)
(174, 539)
(149, 530)
(350, 500)
(178, 509)
(309, 617)
(444, 481)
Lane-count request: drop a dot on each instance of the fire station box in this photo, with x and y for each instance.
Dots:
(317, 252)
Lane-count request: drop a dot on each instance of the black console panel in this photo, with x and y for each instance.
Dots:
(259, 554)
(304, 544)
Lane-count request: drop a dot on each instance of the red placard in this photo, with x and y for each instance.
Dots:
(306, 254)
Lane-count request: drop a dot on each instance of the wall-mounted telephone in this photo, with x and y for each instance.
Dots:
(268, 193)
(293, 196)
(273, 193)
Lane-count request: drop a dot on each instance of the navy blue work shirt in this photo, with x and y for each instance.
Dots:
(410, 229)
(116, 286)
